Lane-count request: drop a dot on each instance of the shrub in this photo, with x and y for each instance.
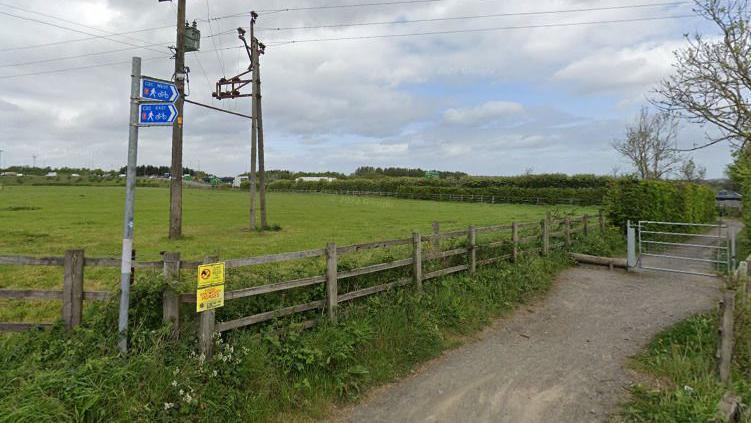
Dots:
(668, 201)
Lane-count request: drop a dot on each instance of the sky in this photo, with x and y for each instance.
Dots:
(480, 97)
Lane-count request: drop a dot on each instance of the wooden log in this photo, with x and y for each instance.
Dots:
(726, 333)
(170, 299)
(19, 327)
(331, 281)
(447, 253)
(493, 260)
(371, 245)
(73, 288)
(269, 315)
(373, 290)
(31, 293)
(274, 287)
(472, 246)
(601, 261)
(273, 258)
(514, 242)
(32, 261)
(444, 272)
(374, 268)
(417, 260)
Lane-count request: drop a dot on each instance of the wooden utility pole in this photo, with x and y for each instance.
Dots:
(176, 170)
(261, 156)
(254, 122)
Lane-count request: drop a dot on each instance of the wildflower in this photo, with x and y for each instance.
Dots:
(181, 392)
(174, 383)
(168, 405)
(215, 373)
(176, 371)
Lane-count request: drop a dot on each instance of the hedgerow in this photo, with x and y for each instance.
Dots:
(667, 201)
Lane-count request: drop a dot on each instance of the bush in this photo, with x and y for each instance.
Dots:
(554, 188)
(667, 201)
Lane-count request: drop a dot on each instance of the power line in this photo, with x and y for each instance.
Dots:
(333, 6)
(67, 21)
(98, 53)
(105, 37)
(213, 41)
(76, 40)
(218, 109)
(78, 68)
(494, 15)
(460, 31)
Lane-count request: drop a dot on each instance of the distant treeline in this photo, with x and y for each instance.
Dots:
(549, 188)
(151, 170)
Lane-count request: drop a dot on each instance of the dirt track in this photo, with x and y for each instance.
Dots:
(561, 360)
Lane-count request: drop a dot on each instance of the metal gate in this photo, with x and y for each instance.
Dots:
(689, 248)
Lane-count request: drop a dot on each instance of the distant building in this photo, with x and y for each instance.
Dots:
(315, 179)
(237, 182)
(51, 174)
(75, 175)
(9, 174)
(729, 199)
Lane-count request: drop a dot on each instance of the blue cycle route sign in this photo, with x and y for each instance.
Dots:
(155, 90)
(154, 114)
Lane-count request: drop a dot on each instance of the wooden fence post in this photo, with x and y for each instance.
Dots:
(73, 288)
(585, 224)
(435, 243)
(472, 248)
(207, 325)
(546, 234)
(514, 242)
(726, 334)
(170, 299)
(417, 257)
(567, 231)
(331, 281)
(602, 222)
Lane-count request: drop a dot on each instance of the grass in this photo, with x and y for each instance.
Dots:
(275, 373)
(43, 220)
(680, 367)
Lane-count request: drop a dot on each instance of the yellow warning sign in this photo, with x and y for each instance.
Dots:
(210, 274)
(209, 298)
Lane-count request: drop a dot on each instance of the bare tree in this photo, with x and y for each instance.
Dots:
(711, 82)
(692, 172)
(650, 144)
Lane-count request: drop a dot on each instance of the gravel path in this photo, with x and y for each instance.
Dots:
(561, 360)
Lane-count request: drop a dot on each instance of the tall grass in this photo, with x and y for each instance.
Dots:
(275, 372)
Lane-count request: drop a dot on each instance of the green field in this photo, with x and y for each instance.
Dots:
(48, 220)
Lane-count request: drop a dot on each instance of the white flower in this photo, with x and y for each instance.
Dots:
(188, 398)
(176, 371)
(168, 405)
(174, 383)
(215, 373)
(182, 392)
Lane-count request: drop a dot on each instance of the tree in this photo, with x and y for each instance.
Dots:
(692, 172)
(650, 144)
(711, 82)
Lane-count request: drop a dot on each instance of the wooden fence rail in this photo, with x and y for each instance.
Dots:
(523, 238)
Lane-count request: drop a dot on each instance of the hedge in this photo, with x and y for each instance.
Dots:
(553, 188)
(666, 201)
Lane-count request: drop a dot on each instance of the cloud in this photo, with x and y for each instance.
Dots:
(483, 113)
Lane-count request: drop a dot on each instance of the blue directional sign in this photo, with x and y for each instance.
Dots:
(156, 90)
(154, 114)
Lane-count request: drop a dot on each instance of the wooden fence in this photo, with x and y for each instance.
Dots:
(547, 234)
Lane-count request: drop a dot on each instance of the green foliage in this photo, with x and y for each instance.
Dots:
(277, 372)
(667, 201)
(552, 188)
(682, 362)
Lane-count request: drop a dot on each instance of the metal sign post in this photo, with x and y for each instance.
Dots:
(130, 194)
(151, 104)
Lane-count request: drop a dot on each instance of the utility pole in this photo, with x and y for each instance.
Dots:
(34, 158)
(176, 170)
(1, 159)
(254, 121)
(259, 124)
